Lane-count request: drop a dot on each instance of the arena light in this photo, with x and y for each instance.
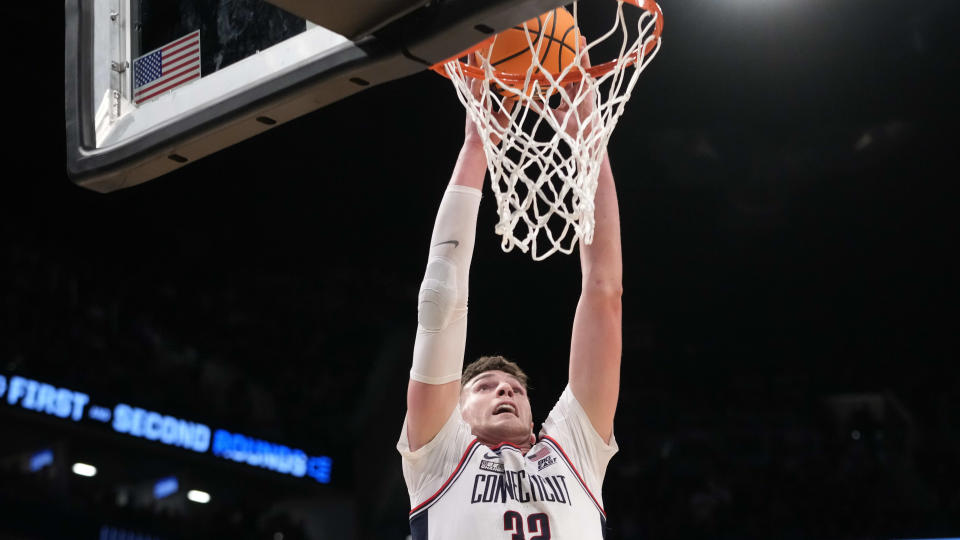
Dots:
(165, 487)
(41, 459)
(84, 469)
(198, 496)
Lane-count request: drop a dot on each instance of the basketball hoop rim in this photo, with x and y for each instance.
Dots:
(574, 76)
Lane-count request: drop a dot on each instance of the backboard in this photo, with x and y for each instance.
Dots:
(152, 85)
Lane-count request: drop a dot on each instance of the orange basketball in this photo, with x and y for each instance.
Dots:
(553, 36)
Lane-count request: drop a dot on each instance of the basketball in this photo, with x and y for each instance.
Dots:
(553, 36)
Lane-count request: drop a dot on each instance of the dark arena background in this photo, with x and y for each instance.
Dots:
(239, 332)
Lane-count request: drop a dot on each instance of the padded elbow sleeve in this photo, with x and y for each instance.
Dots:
(439, 297)
(442, 302)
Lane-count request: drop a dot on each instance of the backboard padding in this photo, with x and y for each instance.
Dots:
(363, 17)
(143, 146)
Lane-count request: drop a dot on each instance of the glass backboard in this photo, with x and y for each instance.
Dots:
(153, 85)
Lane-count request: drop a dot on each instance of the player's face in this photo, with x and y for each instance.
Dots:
(497, 408)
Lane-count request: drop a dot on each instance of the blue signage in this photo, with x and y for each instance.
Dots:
(100, 414)
(275, 457)
(319, 469)
(44, 398)
(156, 427)
(267, 455)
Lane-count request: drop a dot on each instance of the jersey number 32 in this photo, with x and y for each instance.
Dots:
(537, 524)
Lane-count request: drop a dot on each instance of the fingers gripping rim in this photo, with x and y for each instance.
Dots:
(572, 76)
(544, 159)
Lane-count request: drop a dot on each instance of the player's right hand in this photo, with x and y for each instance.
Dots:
(501, 115)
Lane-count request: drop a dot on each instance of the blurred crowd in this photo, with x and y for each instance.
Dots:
(766, 451)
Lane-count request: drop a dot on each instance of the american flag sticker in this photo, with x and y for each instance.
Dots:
(540, 454)
(166, 68)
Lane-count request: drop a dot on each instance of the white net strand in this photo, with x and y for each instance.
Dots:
(544, 172)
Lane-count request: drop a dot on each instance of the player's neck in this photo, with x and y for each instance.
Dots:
(524, 443)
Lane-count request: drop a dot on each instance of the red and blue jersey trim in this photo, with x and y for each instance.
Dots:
(471, 448)
(553, 442)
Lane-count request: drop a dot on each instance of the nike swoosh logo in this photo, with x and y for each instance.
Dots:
(489, 456)
(454, 242)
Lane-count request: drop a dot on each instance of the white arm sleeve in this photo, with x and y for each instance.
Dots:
(442, 311)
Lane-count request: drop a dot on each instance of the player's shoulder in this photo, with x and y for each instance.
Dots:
(564, 408)
(569, 427)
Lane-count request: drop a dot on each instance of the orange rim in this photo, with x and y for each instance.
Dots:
(574, 76)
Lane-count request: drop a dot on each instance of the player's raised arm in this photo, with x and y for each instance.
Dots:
(434, 386)
(596, 343)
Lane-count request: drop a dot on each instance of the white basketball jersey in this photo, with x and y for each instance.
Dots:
(461, 489)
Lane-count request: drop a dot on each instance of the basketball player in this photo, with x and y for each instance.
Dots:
(474, 468)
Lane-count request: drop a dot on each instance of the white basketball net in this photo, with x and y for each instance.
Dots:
(544, 172)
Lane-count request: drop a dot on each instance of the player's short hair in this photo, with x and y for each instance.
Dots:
(490, 363)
